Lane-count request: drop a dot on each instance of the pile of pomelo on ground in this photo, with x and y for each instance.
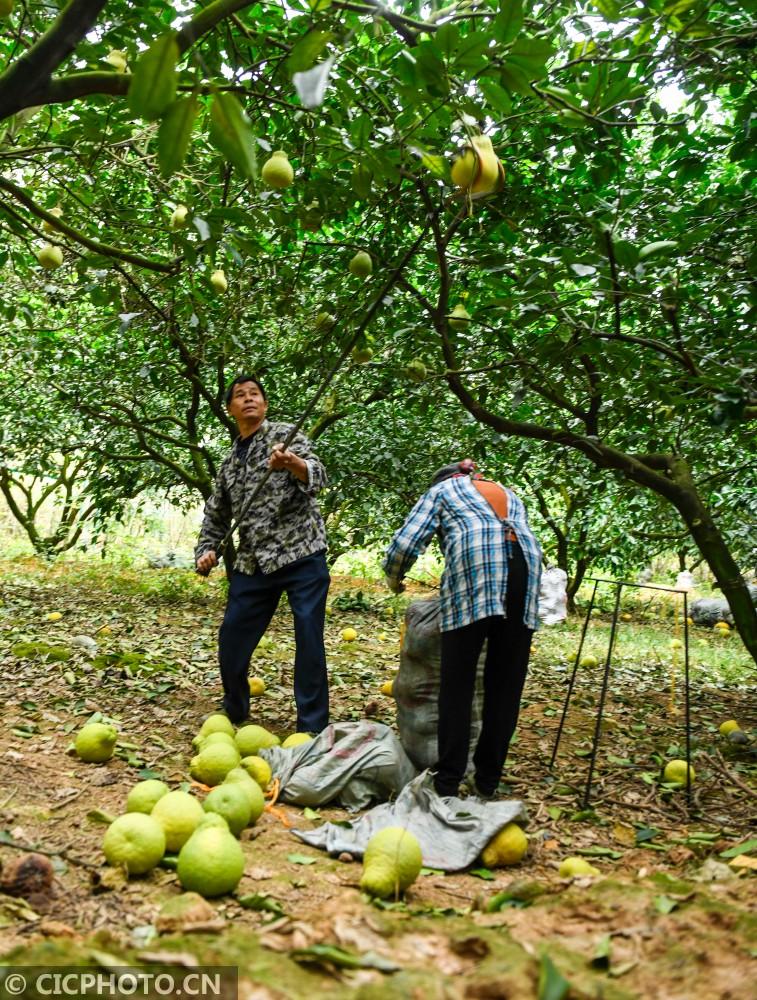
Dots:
(199, 839)
(175, 828)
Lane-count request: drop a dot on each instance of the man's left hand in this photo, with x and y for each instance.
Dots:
(283, 458)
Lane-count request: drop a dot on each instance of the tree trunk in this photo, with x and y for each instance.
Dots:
(717, 555)
(575, 582)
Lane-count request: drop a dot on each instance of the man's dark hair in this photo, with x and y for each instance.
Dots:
(464, 468)
(238, 381)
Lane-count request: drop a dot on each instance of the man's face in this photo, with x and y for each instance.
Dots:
(247, 402)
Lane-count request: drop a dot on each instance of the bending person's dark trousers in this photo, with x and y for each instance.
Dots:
(252, 602)
(508, 649)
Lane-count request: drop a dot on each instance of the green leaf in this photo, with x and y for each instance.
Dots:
(601, 957)
(362, 180)
(497, 97)
(301, 859)
(261, 902)
(739, 849)
(483, 873)
(437, 165)
(648, 833)
(175, 133)
(552, 984)
(309, 813)
(599, 852)
(231, 133)
(305, 53)
(329, 954)
(99, 816)
(664, 904)
(509, 21)
(153, 83)
(653, 249)
(609, 9)
(529, 55)
(626, 253)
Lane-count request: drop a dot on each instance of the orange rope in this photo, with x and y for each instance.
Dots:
(273, 792)
(271, 807)
(199, 784)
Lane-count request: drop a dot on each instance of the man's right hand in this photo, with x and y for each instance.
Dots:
(206, 562)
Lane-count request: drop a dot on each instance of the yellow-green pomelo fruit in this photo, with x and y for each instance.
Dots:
(589, 661)
(361, 264)
(459, 318)
(277, 171)
(179, 814)
(211, 862)
(213, 763)
(675, 770)
(728, 727)
(50, 256)
(231, 801)
(134, 841)
(179, 217)
(144, 795)
(219, 282)
(48, 227)
(217, 723)
(258, 769)
(362, 355)
(250, 739)
(296, 740)
(392, 861)
(416, 371)
(118, 60)
(213, 738)
(507, 848)
(465, 168)
(6, 7)
(95, 742)
(251, 789)
(570, 867)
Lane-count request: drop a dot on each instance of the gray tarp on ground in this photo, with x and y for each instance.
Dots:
(416, 686)
(452, 832)
(352, 763)
(708, 610)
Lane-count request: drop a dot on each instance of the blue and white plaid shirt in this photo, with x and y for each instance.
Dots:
(473, 540)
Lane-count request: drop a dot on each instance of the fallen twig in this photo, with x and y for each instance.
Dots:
(721, 765)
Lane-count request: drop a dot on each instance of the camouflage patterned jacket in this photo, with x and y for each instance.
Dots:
(284, 523)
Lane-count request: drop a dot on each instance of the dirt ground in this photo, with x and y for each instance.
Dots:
(672, 915)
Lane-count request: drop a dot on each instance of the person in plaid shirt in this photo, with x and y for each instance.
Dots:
(489, 591)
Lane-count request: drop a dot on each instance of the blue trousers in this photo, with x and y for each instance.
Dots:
(250, 607)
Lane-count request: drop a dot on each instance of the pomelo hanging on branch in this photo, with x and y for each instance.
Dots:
(477, 169)
(277, 171)
(459, 318)
(48, 227)
(50, 256)
(361, 264)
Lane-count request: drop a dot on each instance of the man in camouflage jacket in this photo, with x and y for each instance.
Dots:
(281, 548)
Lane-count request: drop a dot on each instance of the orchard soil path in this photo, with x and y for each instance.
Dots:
(670, 917)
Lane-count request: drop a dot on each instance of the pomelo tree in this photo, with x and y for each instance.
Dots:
(609, 283)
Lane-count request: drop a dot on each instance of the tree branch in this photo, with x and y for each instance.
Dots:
(48, 52)
(165, 267)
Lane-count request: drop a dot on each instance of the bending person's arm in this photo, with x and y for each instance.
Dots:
(411, 540)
